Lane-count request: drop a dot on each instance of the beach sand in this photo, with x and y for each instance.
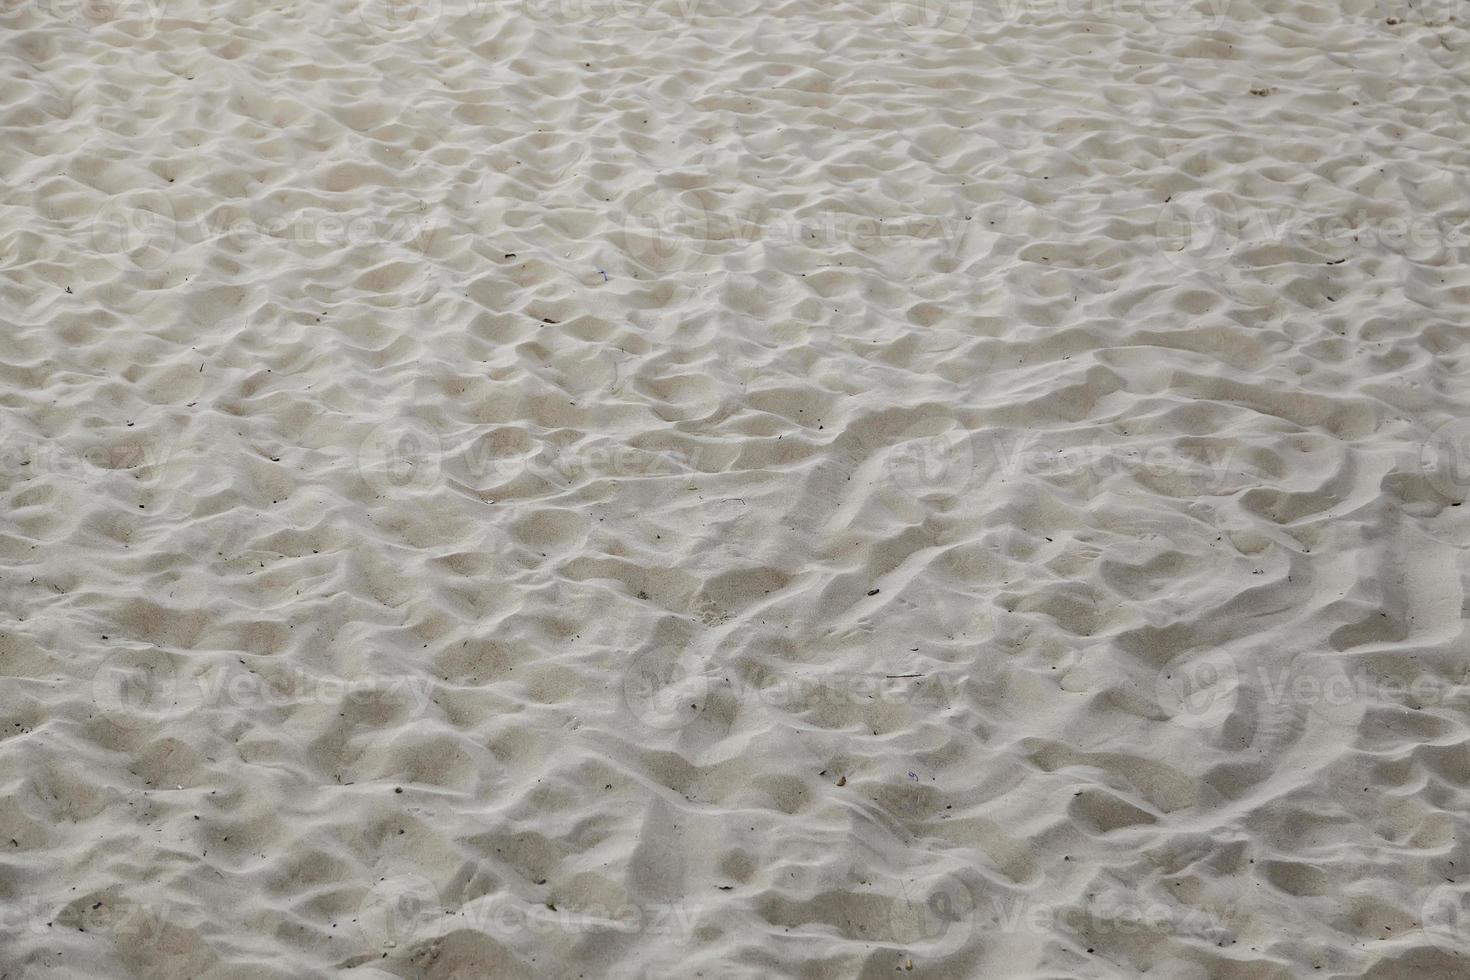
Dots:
(704, 488)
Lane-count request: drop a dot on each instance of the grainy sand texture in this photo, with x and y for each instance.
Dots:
(713, 488)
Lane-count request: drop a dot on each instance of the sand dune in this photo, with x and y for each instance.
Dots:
(593, 488)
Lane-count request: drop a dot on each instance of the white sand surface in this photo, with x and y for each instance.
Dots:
(705, 488)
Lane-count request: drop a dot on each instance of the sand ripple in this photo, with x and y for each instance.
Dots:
(701, 488)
